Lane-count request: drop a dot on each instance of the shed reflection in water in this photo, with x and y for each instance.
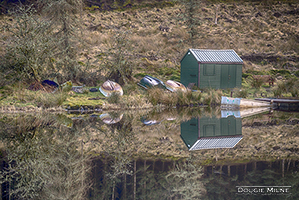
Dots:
(54, 157)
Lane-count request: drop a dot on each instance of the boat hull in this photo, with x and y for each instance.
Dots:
(244, 103)
(110, 87)
(148, 82)
(174, 86)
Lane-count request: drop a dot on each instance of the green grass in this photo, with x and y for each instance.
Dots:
(77, 99)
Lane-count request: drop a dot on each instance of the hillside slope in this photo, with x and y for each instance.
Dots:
(265, 37)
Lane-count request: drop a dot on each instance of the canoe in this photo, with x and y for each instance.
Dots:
(110, 87)
(174, 86)
(148, 82)
(244, 103)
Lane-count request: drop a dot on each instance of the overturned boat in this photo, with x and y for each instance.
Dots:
(148, 82)
(45, 85)
(174, 86)
(110, 87)
(242, 103)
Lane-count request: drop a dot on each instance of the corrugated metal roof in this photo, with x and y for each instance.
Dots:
(212, 56)
(213, 143)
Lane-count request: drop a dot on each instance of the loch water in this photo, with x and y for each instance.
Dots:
(191, 153)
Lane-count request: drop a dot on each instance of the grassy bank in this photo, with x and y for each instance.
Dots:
(151, 38)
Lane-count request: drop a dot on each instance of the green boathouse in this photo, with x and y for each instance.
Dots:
(206, 68)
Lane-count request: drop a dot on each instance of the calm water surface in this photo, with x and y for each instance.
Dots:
(166, 154)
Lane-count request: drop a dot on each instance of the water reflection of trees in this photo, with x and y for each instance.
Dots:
(119, 174)
(44, 159)
(221, 181)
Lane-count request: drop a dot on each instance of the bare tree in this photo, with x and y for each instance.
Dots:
(29, 45)
(65, 16)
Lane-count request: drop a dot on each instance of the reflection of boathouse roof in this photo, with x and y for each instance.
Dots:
(216, 142)
(211, 133)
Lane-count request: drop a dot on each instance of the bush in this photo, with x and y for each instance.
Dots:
(291, 86)
(256, 83)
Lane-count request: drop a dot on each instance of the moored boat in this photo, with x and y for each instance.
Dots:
(174, 86)
(148, 82)
(110, 87)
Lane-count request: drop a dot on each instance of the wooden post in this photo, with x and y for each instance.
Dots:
(228, 170)
(254, 165)
(245, 168)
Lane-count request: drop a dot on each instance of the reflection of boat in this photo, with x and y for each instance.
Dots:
(211, 133)
(174, 86)
(150, 82)
(246, 112)
(110, 87)
(244, 103)
(147, 122)
(108, 119)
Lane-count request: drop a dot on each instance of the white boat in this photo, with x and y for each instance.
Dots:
(244, 103)
(110, 87)
(174, 86)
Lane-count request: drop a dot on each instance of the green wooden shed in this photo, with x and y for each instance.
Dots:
(206, 68)
(211, 133)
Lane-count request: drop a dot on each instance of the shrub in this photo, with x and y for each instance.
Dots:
(256, 83)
